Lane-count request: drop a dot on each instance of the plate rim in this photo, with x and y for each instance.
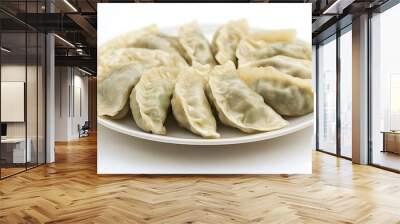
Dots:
(109, 123)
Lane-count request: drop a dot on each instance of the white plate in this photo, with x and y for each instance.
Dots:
(179, 135)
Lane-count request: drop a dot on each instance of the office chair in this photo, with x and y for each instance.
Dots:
(84, 130)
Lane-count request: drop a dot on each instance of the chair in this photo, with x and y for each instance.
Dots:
(84, 130)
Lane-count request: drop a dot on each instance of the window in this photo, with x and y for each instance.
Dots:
(346, 92)
(334, 106)
(385, 89)
(327, 96)
(394, 116)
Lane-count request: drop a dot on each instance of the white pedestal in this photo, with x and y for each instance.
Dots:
(121, 154)
(19, 152)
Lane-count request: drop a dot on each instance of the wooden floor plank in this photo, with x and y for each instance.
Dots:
(70, 191)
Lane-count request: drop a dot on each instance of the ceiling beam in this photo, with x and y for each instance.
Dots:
(337, 7)
(320, 22)
(78, 61)
(86, 27)
(49, 22)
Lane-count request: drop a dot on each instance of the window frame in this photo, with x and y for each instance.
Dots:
(334, 37)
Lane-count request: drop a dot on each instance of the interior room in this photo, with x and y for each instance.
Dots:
(49, 128)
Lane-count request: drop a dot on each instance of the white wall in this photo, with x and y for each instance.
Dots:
(62, 81)
(12, 99)
(79, 117)
(70, 83)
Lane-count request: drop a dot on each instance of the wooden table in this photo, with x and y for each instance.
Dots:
(391, 141)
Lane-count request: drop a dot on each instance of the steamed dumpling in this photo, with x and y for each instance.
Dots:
(119, 71)
(238, 105)
(288, 95)
(195, 44)
(115, 59)
(113, 92)
(148, 37)
(260, 46)
(151, 98)
(163, 42)
(127, 40)
(247, 53)
(176, 45)
(272, 36)
(227, 38)
(292, 66)
(190, 106)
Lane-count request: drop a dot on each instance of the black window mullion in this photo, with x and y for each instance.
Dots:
(338, 76)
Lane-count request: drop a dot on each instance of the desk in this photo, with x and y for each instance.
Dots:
(391, 141)
(17, 150)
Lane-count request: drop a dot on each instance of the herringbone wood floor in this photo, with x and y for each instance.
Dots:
(69, 191)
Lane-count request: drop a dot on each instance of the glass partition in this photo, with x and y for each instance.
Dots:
(13, 94)
(23, 89)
